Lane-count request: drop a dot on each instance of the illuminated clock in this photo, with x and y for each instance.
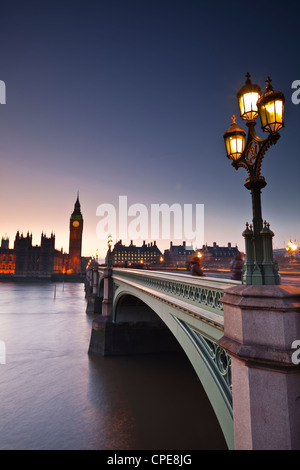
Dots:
(75, 223)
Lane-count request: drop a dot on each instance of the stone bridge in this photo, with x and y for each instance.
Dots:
(143, 311)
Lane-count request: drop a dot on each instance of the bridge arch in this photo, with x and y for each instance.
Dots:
(130, 308)
(189, 308)
(199, 344)
(101, 288)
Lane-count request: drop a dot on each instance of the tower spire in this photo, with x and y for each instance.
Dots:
(77, 210)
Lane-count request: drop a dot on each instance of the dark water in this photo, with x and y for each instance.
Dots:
(53, 395)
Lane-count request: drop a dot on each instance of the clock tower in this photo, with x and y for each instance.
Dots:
(75, 243)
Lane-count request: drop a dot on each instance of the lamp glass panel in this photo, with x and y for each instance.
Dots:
(279, 111)
(227, 143)
(272, 116)
(270, 111)
(263, 117)
(236, 144)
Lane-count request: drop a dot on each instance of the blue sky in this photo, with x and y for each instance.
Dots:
(132, 97)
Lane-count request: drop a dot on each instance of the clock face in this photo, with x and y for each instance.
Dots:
(75, 223)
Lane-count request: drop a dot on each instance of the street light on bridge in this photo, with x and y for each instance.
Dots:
(259, 267)
(291, 248)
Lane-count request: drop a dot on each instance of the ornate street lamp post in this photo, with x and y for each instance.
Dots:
(109, 253)
(259, 266)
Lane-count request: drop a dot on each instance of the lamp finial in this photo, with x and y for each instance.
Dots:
(268, 82)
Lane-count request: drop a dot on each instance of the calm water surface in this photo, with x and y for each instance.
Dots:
(53, 395)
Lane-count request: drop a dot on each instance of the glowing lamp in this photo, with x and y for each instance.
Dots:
(291, 247)
(234, 141)
(247, 98)
(271, 109)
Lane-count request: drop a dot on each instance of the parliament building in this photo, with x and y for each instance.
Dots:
(44, 261)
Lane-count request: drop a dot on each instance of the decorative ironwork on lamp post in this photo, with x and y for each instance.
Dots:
(259, 266)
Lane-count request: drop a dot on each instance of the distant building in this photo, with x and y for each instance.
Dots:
(7, 258)
(178, 255)
(38, 261)
(43, 261)
(219, 253)
(147, 254)
(5, 243)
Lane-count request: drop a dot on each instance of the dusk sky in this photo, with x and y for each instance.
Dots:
(132, 97)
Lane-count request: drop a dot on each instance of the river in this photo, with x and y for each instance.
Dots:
(54, 395)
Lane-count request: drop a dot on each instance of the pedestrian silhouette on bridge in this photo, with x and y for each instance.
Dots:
(237, 267)
(196, 269)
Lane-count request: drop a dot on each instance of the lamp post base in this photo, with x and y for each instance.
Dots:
(265, 270)
(259, 268)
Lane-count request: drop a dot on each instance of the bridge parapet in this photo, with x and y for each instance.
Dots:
(202, 292)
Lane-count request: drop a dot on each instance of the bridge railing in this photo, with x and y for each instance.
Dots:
(200, 294)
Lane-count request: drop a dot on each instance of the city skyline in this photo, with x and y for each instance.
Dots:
(133, 98)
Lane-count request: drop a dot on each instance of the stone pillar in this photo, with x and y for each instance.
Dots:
(103, 327)
(107, 302)
(88, 282)
(95, 281)
(261, 323)
(93, 302)
(270, 268)
(249, 260)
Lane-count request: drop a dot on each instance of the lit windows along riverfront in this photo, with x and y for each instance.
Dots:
(147, 254)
